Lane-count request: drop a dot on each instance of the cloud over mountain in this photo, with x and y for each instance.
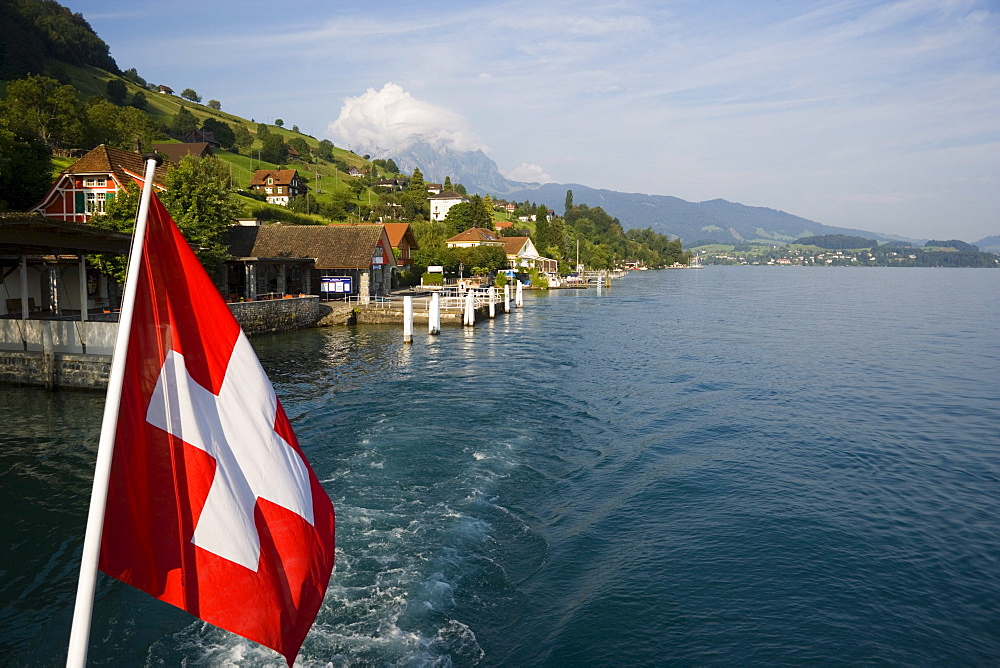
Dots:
(379, 121)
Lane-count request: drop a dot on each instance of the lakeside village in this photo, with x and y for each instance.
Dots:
(63, 267)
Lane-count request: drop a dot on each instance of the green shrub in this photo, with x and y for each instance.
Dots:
(432, 279)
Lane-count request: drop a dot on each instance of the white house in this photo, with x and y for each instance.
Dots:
(442, 203)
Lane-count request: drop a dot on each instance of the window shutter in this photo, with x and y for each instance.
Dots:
(109, 197)
(81, 203)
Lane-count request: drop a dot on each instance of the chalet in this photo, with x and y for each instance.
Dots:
(355, 172)
(434, 188)
(522, 254)
(85, 187)
(402, 239)
(278, 185)
(166, 90)
(442, 203)
(475, 236)
(503, 224)
(296, 259)
(202, 136)
(391, 184)
(175, 152)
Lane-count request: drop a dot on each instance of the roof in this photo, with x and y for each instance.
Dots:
(123, 164)
(398, 231)
(282, 177)
(477, 234)
(448, 194)
(34, 234)
(513, 245)
(331, 246)
(175, 152)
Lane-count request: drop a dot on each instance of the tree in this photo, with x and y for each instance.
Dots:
(136, 130)
(459, 218)
(214, 104)
(414, 198)
(447, 183)
(42, 106)
(183, 122)
(199, 201)
(133, 75)
(116, 91)
(417, 183)
(295, 128)
(102, 122)
(223, 132)
(280, 123)
(300, 145)
(325, 150)
(460, 189)
(262, 131)
(189, 94)
(274, 149)
(25, 170)
(569, 202)
(243, 139)
(139, 100)
(541, 235)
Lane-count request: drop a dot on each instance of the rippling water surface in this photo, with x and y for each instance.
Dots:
(732, 465)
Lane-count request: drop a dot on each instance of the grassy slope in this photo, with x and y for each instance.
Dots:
(162, 108)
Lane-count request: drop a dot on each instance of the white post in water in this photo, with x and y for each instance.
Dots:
(407, 319)
(493, 301)
(434, 317)
(519, 298)
(506, 297)
(470, 309)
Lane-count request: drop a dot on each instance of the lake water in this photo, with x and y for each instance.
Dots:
(726, 466)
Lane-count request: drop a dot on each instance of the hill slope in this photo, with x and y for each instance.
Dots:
(716, 220)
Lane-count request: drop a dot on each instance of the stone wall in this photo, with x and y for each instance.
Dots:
(276, 315)
(54, 369)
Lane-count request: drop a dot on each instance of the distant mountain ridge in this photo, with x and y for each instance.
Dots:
(717, 220)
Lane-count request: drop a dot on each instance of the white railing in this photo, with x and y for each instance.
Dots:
(451, 300)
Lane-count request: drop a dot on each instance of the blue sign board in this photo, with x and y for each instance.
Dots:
(341, 285)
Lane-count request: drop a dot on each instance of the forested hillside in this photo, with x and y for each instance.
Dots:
(63, 95)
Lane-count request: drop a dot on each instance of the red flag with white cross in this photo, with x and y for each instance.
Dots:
(212, 506)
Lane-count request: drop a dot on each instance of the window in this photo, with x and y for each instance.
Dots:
(95, 203)
(280, 190)
(268, 190)
(270, 182)
(95, 182)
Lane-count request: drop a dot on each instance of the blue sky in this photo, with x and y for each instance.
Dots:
(882, 116)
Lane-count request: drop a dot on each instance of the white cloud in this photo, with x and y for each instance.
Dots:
(389, 117)
(529, 173)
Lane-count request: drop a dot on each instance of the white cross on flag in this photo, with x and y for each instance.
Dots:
(212, 506)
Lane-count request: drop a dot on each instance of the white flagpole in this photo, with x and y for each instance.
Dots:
(79, 637)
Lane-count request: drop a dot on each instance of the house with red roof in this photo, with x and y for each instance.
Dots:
(475, 236)
(84, 189)
(402, 239)
(279, 186)
(290, 259)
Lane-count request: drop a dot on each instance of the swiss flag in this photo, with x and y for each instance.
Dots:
(212, 506)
